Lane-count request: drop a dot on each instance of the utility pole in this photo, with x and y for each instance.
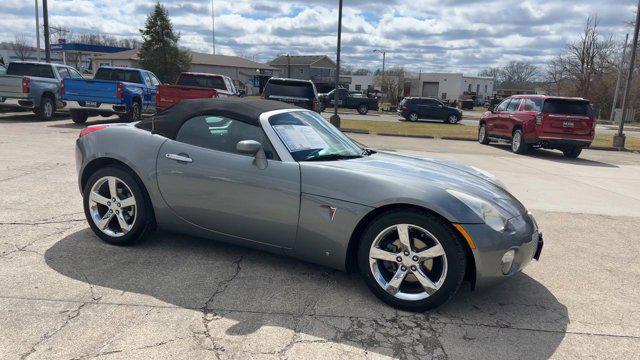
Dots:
(335, 119)
(384, 60)
(37, 31)
(213, 28)
(288, 66)
(620, 70)
(45, 18)
(619, 139)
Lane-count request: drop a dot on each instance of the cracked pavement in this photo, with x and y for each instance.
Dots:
(66, 295)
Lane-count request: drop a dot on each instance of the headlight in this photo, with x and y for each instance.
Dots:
(490, 214)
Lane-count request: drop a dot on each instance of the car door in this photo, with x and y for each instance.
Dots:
(493, 121)
(148, 94)
(205, 181)
(509, 118)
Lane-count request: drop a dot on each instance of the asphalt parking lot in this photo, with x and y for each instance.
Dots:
(65, 294)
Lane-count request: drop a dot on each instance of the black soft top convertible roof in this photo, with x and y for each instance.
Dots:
(168, 122)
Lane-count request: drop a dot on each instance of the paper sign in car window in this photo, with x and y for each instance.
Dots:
(300, 137)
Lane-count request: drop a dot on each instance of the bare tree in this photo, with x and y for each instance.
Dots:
(391, 84)
(519, 71)
(586, 59)
(21, 48)
(361, 71)
(493, 72)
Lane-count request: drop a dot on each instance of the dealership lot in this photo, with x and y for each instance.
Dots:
(65, 294)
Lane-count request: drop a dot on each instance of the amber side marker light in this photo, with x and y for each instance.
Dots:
(465, 235)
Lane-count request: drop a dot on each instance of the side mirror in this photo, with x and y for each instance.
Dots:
(253, 148)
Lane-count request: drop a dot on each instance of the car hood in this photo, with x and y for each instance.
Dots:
(407, 170)
(450, 108)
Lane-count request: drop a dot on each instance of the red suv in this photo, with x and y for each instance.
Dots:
(566, 124)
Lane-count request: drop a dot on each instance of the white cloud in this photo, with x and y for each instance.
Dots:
(432, 35)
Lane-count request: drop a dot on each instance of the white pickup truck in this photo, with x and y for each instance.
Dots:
(35, 86)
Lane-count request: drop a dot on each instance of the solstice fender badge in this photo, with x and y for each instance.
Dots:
(328, 212)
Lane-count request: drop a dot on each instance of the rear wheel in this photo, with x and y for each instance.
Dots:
(482, 135)
(452, 119)
(572, 152)
(412, 117)
(46, 109)
(411, 260)
(363, 109)
(78, 117)
(518, 145)
(116, 207)
(134, 114)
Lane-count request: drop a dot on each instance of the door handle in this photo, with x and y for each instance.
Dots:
(180, 158)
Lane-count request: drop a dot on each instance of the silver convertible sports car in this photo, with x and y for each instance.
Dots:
(262, 174)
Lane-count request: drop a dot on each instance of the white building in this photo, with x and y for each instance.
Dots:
(450, 86)
(360, 82)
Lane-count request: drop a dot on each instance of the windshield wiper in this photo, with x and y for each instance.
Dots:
(367, 152)
(329, 157)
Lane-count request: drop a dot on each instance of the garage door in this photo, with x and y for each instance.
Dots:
(430, 89)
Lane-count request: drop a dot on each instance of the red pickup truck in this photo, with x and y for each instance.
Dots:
(194, 86)
(552, 122)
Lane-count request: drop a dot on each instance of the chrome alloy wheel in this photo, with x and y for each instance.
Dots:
(482, 133)
(413, 117)
(453, 119)
(112, 206)
(515, 142)
(408, 262)
(48, 109)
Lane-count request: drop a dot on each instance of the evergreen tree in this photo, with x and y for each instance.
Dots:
(159, 52)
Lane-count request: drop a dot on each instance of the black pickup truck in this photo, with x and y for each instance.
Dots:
(348, 100)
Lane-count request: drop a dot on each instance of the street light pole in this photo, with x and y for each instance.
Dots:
(619, 139)
(384, 60)
(213, 28)
(37, 32)
(620, 70)
(45, 20)
(335, 119)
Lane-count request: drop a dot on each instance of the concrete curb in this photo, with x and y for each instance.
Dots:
(355, 131)
(407, 135)
(456, 138)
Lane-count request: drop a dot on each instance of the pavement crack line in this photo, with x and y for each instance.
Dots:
(242, 311)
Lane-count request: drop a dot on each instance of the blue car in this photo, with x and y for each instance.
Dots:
(127, 92)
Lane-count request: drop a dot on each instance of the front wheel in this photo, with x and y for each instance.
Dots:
(411, 260)
(518, 145)
(363, 109)
(482, 135)
(572, 152)
(116, 206)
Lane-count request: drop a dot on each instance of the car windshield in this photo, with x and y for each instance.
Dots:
(309, 137)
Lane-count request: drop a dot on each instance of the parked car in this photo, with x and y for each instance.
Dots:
(415, 108)
(195, 86)
(266, 175)
(301, 93)
(565, 124)
(348, 100)
(35, 86)
(127, 92)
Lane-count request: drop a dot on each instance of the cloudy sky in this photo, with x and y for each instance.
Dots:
(427, 35)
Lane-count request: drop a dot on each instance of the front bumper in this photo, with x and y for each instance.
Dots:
(491, 245)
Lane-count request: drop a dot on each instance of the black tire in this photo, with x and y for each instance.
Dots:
(363, 109)
(571, 152)
(412, 116)
(452, 119)
(47, 108)
(143, 214)
(483, 137)
(79, 117)
(134, 114)
(518, 145)
(453, 249)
